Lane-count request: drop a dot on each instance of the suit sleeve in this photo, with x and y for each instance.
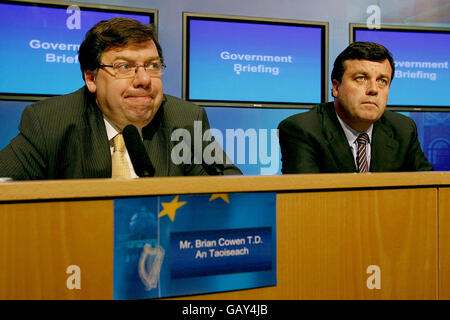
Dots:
(213, 157)
(298, 153)
(416, 160)
(25, 157)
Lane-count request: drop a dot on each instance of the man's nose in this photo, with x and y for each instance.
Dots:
(142, 78)
(372, 87)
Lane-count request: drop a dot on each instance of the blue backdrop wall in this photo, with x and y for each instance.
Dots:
(434, 127)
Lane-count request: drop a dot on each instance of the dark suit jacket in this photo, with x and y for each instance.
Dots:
(65, 138)
(314, 141)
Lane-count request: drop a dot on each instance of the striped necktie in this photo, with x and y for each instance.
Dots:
(120, 167)
(361, 154)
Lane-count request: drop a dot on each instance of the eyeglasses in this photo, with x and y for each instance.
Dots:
(129, 69)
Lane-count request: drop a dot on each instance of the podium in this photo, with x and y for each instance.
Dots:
(339, 236)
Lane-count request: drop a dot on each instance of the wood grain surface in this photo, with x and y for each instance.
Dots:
(444, 243)
(327, 240)
(38, 241)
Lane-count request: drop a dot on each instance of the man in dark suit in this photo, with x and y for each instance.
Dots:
(72, 136)
(354, 133)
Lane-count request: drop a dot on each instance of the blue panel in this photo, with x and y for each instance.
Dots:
(160, 244)
(236, 61)
(434, 136)
(10, 114)
(261, 152)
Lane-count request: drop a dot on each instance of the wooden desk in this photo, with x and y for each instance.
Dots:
(330, 229)
(444, 243)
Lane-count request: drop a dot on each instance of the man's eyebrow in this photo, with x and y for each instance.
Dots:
(360, 72)
(127, 58)
(365, 73)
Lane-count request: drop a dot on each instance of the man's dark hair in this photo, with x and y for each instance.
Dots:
(361, 51)
(116, 32)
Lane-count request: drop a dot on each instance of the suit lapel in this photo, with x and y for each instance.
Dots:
(96, 155)
(337, 142)
(383, 148)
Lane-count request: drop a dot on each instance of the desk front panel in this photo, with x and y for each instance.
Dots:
(357, 244)
(444, 243)
(362, 244)
(48, 248)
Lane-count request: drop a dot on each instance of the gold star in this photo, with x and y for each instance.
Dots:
(223, 196)
(171, 207)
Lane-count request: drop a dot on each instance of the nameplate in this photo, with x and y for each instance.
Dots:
(193, 244)
(204, 253)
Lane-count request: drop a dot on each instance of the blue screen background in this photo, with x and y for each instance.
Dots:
(26, 69)
(415, 47)
(213, 78)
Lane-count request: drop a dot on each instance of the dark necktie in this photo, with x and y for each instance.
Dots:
(361, 154)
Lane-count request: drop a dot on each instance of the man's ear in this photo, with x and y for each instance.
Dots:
(335, 88)
(89, 78)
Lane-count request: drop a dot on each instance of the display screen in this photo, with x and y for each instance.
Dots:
(243, 61)
(40, 44)
(422, 56)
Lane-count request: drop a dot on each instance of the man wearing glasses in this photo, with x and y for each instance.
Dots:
(75, 135)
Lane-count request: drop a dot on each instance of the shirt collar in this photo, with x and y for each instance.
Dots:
(352, 134)
(112, 130)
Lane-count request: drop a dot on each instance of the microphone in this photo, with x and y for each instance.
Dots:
(138, 155)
